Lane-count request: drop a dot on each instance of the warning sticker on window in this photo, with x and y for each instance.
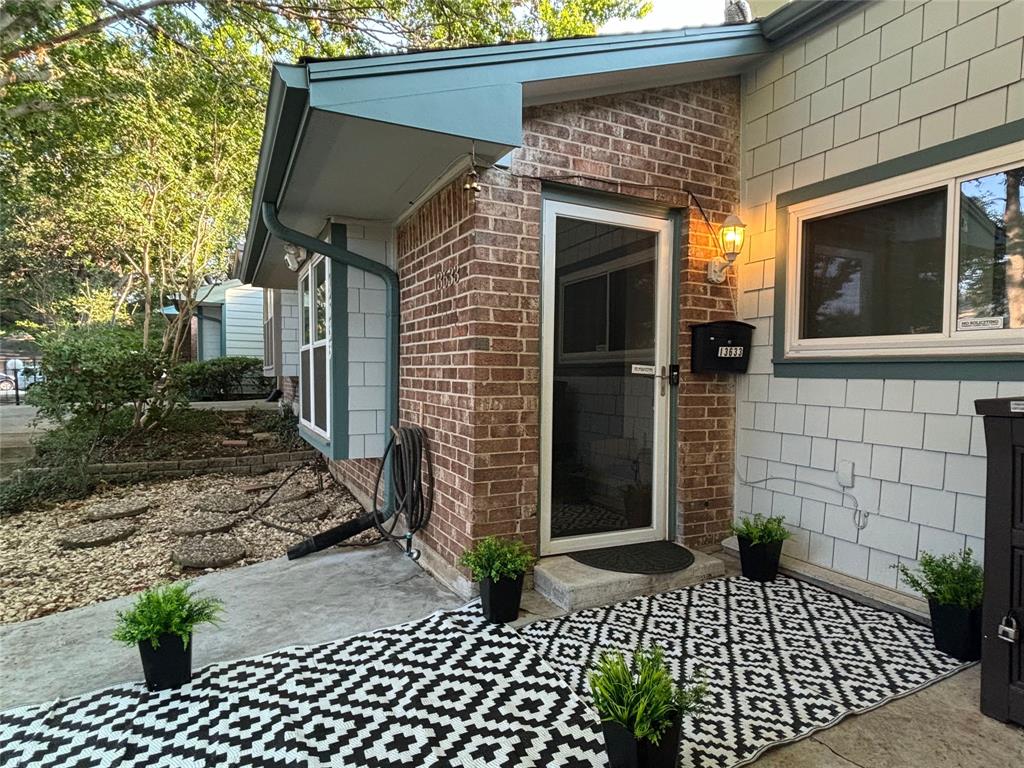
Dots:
(979, 323)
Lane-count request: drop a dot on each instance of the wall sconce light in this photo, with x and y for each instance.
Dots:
(294, 256)
(730, 239)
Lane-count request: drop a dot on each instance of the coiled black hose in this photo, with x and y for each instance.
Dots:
(412, 499)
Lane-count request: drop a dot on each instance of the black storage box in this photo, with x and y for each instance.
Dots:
(720, 347)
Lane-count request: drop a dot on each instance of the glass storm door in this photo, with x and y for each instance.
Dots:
(604, 399)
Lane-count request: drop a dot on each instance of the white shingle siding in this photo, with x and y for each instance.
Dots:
(288, 329)
(884, 81)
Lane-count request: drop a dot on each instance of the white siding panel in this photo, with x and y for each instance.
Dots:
(243, 321)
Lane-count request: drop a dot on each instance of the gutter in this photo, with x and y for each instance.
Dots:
(347, 258)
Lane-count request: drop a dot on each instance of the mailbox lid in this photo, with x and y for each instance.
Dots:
(1012, 407)
(729, 328)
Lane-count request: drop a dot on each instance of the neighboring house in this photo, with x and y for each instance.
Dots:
(543, 208)
(228, 321)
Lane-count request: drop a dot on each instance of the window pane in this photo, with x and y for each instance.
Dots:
(990, 283)
(630, 299)
(320, 386)
(877, 271)
(320, 300)
(584, 316)
(304, 314)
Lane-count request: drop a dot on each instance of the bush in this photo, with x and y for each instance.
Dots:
(948, 579)
(51, 486)
(645, 699)
(761, 530)
(89, 372)
(496, 558)
(167, 610)
(222, 378)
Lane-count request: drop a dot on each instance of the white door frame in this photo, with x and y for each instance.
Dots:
(658, 530)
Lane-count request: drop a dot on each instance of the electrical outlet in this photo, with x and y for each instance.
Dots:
(844, 473)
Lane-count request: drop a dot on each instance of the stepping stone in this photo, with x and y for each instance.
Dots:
(263, 436)
(204, 522)
(96, 534)
(214, 550)
(115, 509)
(224, 502)
(234, 443)
(305, 513)
(285, 497)
(257, 487)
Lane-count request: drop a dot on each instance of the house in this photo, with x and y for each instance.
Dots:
(539, 228)
(228, 321)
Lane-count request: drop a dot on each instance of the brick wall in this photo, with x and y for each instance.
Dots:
(470, 281)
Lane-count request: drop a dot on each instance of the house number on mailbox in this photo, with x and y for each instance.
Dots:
(730, 351)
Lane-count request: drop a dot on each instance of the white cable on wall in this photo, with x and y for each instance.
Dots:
(860, 516)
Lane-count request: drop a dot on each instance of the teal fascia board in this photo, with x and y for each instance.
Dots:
(990, 367)
(339, 348)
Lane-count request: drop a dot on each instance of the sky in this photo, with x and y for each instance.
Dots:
(671, 14)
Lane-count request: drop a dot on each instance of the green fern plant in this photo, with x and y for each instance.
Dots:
(168, 610)
(950, 579)
(493, 558)
(643, 699)
(761, 530)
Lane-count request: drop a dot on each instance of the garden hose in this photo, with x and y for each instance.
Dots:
(412, 498)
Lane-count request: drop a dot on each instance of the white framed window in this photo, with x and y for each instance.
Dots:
(930, 263)
(315, 345)
(269, 338)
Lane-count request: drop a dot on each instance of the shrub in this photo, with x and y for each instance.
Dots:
(948, 579)
(645, 699)
(166, 610)
(222, 378)
(761, 530)
(19, 494)
(493, 558)
(90, 371)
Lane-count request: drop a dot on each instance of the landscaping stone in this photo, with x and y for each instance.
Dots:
(96, 534)
(257, 487)
(224, 502)
(214, 550)
(286, 497)
(304, 512)
(116, 509)
(234, 443)
(205, 522)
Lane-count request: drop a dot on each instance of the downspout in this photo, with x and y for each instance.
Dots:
(347, 258)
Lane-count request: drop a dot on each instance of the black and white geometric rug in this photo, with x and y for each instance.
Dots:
(782, 660)
(448, 690)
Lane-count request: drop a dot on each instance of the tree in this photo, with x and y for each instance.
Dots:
(129, 131)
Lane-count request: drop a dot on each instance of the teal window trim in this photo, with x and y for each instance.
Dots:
(981, 367)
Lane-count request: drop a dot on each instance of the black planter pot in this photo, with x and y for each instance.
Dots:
(500, 599)
(167, 666)
(760, 562)
(957, 631)
(624, 751)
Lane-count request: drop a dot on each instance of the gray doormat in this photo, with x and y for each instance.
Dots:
(649, 557)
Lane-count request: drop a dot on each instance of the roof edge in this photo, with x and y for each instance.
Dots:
(801, 16)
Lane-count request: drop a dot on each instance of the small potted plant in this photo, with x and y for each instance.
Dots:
(760, 541)
(953, 584)
(641, 708)
(161, 623)
(499, 565)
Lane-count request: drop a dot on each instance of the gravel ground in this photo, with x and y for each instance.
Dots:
(39, 577)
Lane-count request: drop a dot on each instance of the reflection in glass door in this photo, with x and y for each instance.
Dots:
(604, 412)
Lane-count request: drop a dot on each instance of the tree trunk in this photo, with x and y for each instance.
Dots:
(1014, 222)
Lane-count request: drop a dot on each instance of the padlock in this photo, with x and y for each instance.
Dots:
(1008, 629)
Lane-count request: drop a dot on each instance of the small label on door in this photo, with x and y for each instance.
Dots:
(1017, 406)
(644, 370)
(979, 323)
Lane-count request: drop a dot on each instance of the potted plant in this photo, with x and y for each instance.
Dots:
(953, 584)
(161, 623)
(641, 708)
(499, 565)
(760, 541)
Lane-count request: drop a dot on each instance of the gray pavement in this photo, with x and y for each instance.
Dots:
(322, 597)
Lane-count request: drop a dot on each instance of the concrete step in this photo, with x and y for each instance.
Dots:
(573, 586)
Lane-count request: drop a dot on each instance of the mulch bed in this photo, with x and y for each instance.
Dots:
(40, 575)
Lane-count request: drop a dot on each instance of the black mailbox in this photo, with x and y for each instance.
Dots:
(720, 347)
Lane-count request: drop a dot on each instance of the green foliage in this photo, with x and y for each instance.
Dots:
(168, 610)
(643, 699)
(31, 488)
(91, 371)
(493, 558)
(950, 579)
(284, 424)
(222, 378)
(761, 530)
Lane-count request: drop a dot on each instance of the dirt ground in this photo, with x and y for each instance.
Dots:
(39, 576)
